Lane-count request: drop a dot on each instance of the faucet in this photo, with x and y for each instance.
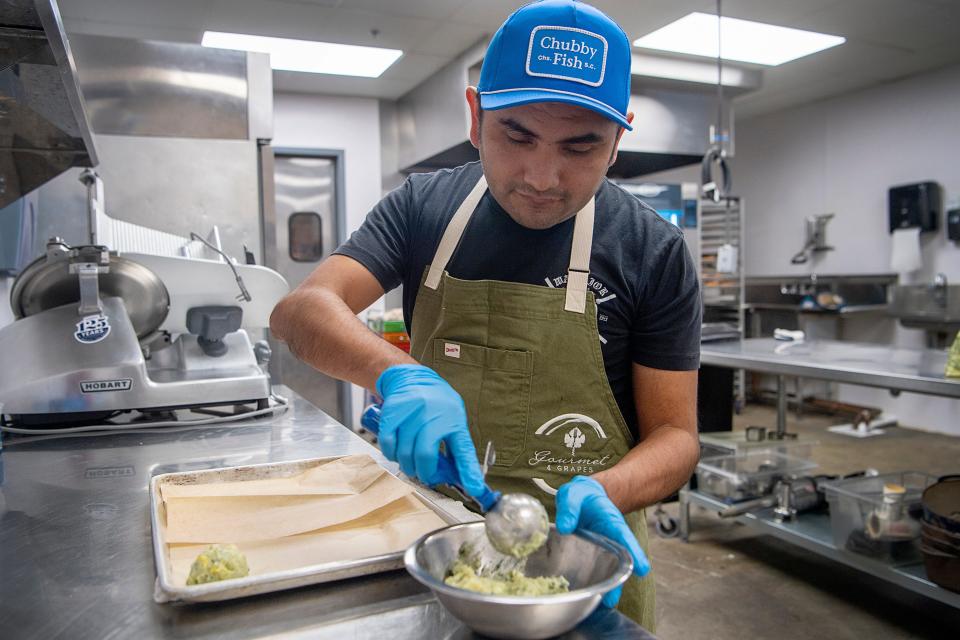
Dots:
(939, 288)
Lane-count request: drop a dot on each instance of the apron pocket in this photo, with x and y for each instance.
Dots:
(495, 387)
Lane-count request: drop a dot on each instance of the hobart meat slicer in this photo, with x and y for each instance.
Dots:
(101, 331)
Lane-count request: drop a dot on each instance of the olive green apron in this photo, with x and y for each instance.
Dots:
(526, 359)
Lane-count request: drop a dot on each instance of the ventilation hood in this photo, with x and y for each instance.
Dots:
(674, 102)
(43, 125)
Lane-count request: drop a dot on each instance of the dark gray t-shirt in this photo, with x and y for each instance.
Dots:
(643, 278)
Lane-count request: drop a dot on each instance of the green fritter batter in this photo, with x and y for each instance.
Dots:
(522, 550)
(218, 562)
(511, 583)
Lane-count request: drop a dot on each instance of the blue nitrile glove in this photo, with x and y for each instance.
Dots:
(420, 410)
(582, 503)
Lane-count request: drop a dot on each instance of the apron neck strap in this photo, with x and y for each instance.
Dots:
(578, 271)
(451, 237)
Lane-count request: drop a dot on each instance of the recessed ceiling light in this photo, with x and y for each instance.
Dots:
(309, 56)
(742, 40)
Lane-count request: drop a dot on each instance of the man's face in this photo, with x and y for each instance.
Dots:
(544, 161)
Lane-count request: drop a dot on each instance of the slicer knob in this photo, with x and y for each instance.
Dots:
(263, 352)
(211, 324)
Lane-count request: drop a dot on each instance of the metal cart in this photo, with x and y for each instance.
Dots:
(915, 370)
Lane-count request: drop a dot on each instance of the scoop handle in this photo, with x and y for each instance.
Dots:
(446, 467)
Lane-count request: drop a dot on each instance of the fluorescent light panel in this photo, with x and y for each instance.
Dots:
(309, 56)
(742, 40)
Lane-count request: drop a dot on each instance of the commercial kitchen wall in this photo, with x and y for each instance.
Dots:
(345, 123)
(840, 156)
(391, 177)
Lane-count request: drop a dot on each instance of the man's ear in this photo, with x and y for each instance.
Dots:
(473, 100)
(616, 143)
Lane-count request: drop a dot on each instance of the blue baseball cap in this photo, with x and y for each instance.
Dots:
(558, 51)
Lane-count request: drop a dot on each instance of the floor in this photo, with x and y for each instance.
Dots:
(729, 583)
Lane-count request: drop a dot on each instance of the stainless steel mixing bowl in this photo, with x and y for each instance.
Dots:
(592, 564)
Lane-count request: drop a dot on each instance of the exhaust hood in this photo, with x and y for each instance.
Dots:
(674, 102)
(43, 124)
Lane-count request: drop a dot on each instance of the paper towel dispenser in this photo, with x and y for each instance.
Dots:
(915, 205)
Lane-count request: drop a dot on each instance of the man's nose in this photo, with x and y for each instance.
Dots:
(542, 173)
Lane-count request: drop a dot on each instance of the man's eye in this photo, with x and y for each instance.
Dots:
(518, 140)
(580, 149)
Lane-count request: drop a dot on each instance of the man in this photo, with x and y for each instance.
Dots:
(550, 312)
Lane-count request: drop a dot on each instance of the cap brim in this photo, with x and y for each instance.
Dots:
(517, 97)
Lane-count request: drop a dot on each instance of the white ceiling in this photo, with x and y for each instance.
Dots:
(886, 39)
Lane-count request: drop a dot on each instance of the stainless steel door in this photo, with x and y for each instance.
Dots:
(307, 231)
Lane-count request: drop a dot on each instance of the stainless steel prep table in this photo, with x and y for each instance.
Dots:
(871, 365)
(76, 559)
(916, 370)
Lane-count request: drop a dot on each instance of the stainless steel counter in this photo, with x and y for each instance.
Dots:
(842, 311)
(872, 365)
(76, 559)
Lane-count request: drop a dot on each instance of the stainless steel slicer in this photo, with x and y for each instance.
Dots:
(100, 332)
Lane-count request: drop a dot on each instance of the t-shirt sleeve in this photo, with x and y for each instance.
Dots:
(666, 329)
(381, 243)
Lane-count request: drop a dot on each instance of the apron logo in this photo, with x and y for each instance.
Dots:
(574, 440)
(575, 427)
(551, 425)
(451, 350)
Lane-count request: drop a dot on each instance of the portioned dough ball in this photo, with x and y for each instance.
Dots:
(218, 562)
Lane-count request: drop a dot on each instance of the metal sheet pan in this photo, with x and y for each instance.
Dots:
(166, 591)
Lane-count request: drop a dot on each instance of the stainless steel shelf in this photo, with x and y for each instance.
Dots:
(812, 532)
(870, 365)
(846, 310)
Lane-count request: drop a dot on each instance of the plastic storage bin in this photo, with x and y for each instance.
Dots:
(744, 476)
(878, 516)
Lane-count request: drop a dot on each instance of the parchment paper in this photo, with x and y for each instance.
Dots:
(248, 518)
(349, 475)
(391, 528)
(347, 509)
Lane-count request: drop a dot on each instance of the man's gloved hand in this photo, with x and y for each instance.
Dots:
(420, 410)
(582, 503)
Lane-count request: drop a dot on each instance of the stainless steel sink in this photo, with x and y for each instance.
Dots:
(934, 307)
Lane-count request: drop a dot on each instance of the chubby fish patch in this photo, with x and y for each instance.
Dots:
(567, 53)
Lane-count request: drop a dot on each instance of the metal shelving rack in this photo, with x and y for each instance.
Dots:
(812, 532)
(723, 293)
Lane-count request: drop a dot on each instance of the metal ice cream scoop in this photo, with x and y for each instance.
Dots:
(516, 523)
